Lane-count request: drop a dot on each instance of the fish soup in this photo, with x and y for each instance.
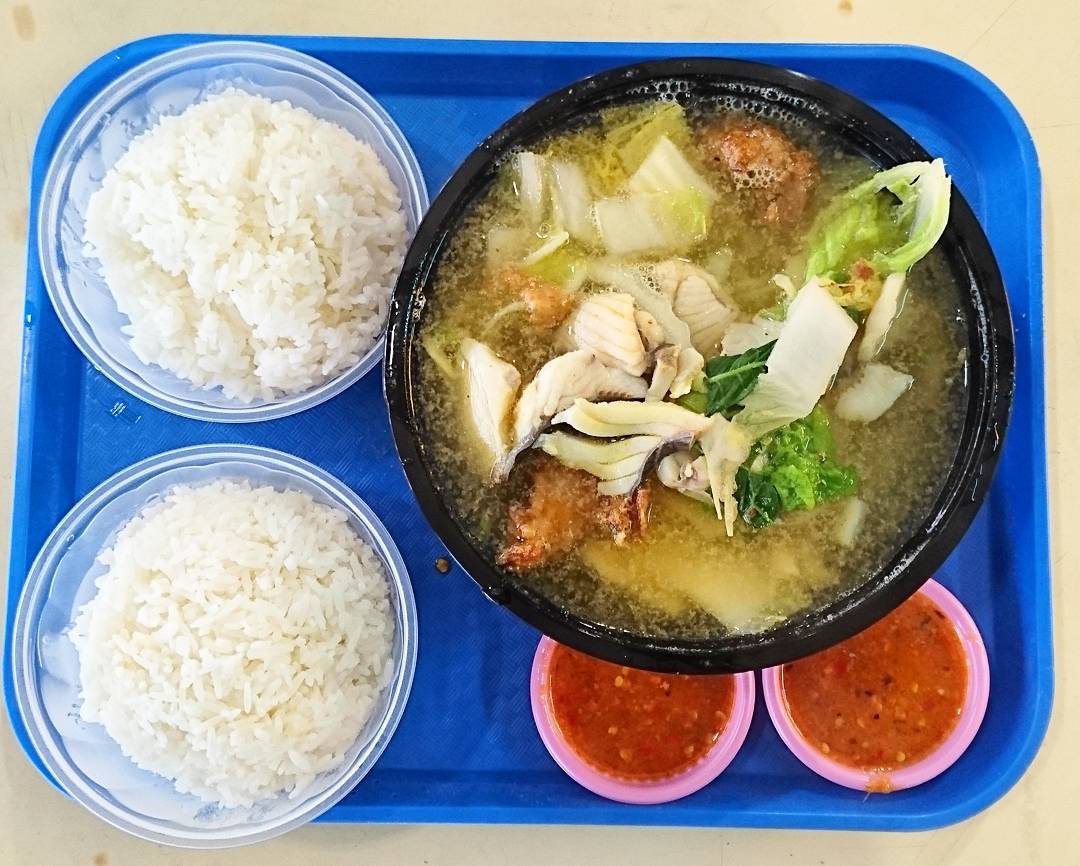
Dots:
(687, 373)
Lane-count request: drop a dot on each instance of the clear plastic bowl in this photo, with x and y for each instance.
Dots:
(101, 134)
(86, 762)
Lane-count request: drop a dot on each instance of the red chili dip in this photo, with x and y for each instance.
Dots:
(636, 724)
(887, 697)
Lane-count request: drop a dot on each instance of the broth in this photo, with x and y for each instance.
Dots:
(685, 577)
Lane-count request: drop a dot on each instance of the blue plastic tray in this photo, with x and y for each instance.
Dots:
(467, 750)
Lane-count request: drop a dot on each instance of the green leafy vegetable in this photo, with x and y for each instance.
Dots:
(759, 503)
(792, 469)
(729, 378)
(800, 461)
(695, 401)
(891, 221)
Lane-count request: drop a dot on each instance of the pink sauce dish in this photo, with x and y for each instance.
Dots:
(634, 791)
(943, 756)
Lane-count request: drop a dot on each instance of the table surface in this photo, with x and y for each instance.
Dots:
(1030, 48)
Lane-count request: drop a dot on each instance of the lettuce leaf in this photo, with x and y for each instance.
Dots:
(800, 461)
(793, 469)
(890, 221)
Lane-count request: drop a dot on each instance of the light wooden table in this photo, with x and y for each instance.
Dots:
(1031, 49)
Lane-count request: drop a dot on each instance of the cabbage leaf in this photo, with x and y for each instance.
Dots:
(572, 201)
(793, 469)
(803, 362)
(564, 266)
(890, 221)
(666, 169)
(624, 145)
(652, 222)
(634, 139)
(531, 187)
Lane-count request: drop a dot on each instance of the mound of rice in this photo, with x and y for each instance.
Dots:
(238, 642)
(252, 245)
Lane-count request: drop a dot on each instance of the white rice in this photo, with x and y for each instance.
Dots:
(238, 642)
(252, 245)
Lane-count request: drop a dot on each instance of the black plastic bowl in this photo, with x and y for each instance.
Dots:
(772, 92)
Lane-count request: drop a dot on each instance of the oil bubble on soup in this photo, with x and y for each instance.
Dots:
(688, 371)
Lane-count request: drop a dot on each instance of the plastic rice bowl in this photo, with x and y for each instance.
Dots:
(80, 756)
(101, 134)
